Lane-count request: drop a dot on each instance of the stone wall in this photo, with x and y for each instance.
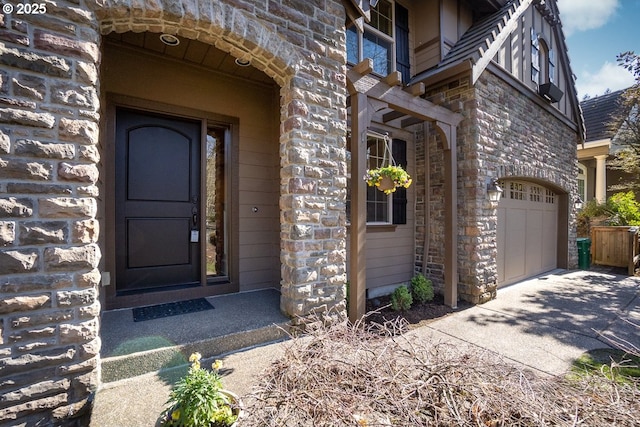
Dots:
(49, 156)
(504, 134)
(49, 306)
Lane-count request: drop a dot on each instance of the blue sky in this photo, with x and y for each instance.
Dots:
(597, 31)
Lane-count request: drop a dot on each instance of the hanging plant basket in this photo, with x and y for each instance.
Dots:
(388, 178)
(386, 184)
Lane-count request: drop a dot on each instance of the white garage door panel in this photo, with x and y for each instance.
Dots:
(533, 242)
(527, 231)
(515, 234)
(550, 245)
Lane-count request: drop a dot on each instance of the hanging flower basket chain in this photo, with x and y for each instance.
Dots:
(388, 176)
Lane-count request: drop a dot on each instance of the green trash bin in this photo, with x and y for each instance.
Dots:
(584, 253)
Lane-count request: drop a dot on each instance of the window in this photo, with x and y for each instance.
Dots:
(543, 60)
(536, 193)
(377, 42)
(378, 203)
(535, 57)
(216, 246)
(550, 196)
(552, 65)
(517, 191)
(582, 182)
(382, 208)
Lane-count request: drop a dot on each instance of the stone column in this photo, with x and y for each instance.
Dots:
(313, 194)
(49, 310)
(601, 178)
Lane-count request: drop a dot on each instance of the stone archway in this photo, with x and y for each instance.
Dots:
(217, 23)
(303, 136)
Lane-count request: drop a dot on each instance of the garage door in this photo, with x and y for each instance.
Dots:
(527, 231)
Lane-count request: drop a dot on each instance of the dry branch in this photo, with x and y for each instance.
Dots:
(355, 376)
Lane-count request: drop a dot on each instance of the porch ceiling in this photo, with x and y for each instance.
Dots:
(193, 52)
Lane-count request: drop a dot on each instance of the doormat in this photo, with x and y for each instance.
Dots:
(141, 314)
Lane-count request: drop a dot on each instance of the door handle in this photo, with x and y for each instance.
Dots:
(194, 216)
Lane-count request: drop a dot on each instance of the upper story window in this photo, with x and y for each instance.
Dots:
(535, 57)
(543, 62)
(377, 42)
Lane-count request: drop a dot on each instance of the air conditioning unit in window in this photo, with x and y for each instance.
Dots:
(550, 92)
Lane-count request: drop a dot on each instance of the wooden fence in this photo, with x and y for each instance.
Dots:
(615, 246)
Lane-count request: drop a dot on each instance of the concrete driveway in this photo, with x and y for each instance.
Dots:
(547, 322)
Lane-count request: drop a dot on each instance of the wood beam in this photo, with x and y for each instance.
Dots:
(394, 79)
(449, 135)
(417, 89)
(400, 100)
(364, 67)
(410, 121)
(386, 118)
(360, 121)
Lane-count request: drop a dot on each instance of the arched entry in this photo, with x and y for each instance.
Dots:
(311, 127)
(527, 235)
(193, 150)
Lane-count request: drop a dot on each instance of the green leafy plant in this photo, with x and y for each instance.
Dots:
(626, 207)
(421, 289)
(619, 209)
(399, 177)
(197, 399)
(401, 299)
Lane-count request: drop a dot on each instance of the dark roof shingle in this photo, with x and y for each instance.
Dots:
(597, 113)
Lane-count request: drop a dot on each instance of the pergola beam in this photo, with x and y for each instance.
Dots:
(367, 91)
(360, 121)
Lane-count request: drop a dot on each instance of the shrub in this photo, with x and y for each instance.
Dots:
(401, 299)
(620, 209)
(626, 208)
(421, 289)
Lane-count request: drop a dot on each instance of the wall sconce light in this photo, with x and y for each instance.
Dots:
(578, 203)
(493, 190)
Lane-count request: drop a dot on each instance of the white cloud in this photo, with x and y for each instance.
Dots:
(610, 76)
(582, 15)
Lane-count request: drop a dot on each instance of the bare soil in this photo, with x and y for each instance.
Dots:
(379, 311)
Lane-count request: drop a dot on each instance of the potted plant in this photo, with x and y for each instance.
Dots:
(198, 399)
(388, 178)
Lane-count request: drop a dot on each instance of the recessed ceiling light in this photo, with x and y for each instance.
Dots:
(169, 39)
(243, 62)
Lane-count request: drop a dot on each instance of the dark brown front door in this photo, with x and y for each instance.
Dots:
(157, 201)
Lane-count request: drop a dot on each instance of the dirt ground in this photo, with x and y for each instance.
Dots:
(379, 311)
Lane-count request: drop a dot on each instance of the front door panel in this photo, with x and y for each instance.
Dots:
(157, 201)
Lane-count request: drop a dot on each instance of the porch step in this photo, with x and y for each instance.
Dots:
(139, 363)
(237, 321)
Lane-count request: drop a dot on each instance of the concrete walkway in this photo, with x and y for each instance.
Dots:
(544, 323)
(548, 322)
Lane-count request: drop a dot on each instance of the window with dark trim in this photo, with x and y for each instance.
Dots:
(382, 208)
(403, 63)
(535, 57)
(543, 60)
(385, 40)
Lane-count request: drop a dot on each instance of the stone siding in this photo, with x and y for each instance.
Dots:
(50, 180)
(504, 135)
